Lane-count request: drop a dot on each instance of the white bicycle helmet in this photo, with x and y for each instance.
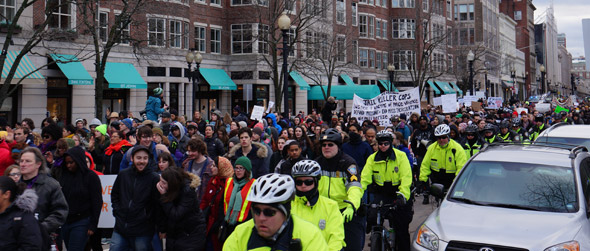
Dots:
(272, 188)
(442, 130)
(306, 168)
(384, 135)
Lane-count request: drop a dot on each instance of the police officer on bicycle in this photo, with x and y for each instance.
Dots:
(388, 176)
(340, 182)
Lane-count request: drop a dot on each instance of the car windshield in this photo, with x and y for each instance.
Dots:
(563, 140)
(517, 185)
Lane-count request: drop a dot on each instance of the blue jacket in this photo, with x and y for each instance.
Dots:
(404, 129)
(274, 122)
(359, 150)
(407, 151)
(152, 108)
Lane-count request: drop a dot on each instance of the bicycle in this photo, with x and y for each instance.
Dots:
(382, 238)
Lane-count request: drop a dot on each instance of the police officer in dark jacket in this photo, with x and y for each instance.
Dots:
(135, 202)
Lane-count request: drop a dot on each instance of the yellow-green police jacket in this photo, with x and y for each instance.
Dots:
(340, 180)
(310, 236)
(449, 159)
(397, 171)
(325, 215)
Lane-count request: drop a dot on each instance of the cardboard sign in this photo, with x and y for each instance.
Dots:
(386, 105)
(106, 220)
(424, 104)
(475, 106)
(257, 113)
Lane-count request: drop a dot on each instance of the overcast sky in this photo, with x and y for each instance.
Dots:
(568, 15)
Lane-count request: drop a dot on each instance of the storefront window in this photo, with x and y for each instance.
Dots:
(174, 96)
(59, 95)
(205, 100)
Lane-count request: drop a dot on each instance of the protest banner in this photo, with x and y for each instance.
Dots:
(424, 104)
(257, 112)
(437, 101)
(106, 220)
(386, 105)
(543, 107)
(494, 102)
(449, 103)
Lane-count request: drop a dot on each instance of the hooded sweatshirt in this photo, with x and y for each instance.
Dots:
(82, 189)
(153, 108)
(273, 117)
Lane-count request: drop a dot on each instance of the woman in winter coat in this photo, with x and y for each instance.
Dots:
(212, 202)
(97, 145)
(20, 230)
(214, 144)
(185, 226)
(83, 192)
(114, 153)
(236, 207)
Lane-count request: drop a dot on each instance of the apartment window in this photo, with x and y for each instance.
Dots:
(263, 32)
(322, 40)
(341, 43)
(471, 36)
(291, 6)
(363, 23)
(185, 35)
(472, 12)
(355, 49)
(215, 40)
(7, 10)
(354, 13)
(124, 26)
(378, 30)
(371, 58)
(518, 15)
(291, 35)
(103, 26)
(371, 26)
(61, 14)
(200, 1)
(450, 63)
(403, 3)
(449, 14)
(340, 11)
(363, 1)
(156, 31)
(384, 29)
(216, 2)
(404, 28)
(404, 60)
(176, 34)
(378, 60)
(384, 3)
(200, 44)
(385, 60)
(241, 2)
(242, 38)
(364, 57)
(466, 12)
(315, 7)
(425, 5)
(309, 44)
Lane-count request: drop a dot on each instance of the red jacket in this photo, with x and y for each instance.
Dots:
(5, 158)
(213, 197)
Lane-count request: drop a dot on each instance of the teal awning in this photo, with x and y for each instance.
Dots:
(218, 79)
(347, 79)
(123, 75)
(25, 67)
(303, 85)
(445, 87)
(433, 87)
(73, 69)
(385, 84)
(344, 92)
(456, 88)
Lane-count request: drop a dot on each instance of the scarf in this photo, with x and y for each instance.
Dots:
(116, 147)
(45, 147)
(235, 201)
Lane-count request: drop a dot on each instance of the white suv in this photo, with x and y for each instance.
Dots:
(563, 133)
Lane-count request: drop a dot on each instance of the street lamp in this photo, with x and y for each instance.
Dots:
(573, 80)
(525, 76)
(471, 58)
(485, 71)
(197, 58)
(284, 23)
(391, 71)
(542, 69)
(513, 76)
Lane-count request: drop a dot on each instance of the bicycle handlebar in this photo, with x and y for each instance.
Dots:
(349, 202)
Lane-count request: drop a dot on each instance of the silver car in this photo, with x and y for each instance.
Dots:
(514, 197)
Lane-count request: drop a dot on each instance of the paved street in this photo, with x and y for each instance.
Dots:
(420, 214)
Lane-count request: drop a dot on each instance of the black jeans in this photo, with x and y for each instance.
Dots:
(399, 219)
(354, 234)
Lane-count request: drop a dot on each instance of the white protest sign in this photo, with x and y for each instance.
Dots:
(468, 99)
(257, 113)
(520, 110)
(480, 94)
(449, 103)
(270, 105)
(494, 102)
(386, 105)
(106, 220)
(437, 101)
(543, 107)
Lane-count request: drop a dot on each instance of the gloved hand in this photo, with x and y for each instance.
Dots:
(400, 201)
(348, 213)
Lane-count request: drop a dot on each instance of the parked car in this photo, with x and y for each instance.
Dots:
(514, 197)
(563, 133)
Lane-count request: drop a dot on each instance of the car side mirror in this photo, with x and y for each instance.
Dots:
(437, 190)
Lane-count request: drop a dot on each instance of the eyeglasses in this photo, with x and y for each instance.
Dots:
(267, 211)
(442, 137)
(328, 145)
(14, 174)
(384, 143)
(306, 182)
(239, 168)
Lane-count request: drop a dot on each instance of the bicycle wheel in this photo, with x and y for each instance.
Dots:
(376, 241)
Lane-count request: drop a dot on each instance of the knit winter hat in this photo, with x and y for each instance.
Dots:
(95, 122)
(158, 91)
(102, 129)
(242, 124)
(224, 167)
(128, 123)
(245, 162)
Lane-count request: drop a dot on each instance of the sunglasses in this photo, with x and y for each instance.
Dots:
(384, 143)
(470, 134)
(267, 212)
(328, 145)
(14, 174)
(442, 137)
(306, 182)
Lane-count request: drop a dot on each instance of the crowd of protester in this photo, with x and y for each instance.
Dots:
(190, 182)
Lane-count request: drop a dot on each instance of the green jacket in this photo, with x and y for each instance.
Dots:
(310, 236)
(397, 171)
(325, 215)
(450, 159)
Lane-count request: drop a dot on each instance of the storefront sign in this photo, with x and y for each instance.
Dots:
(106, 220)
(386, 105)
